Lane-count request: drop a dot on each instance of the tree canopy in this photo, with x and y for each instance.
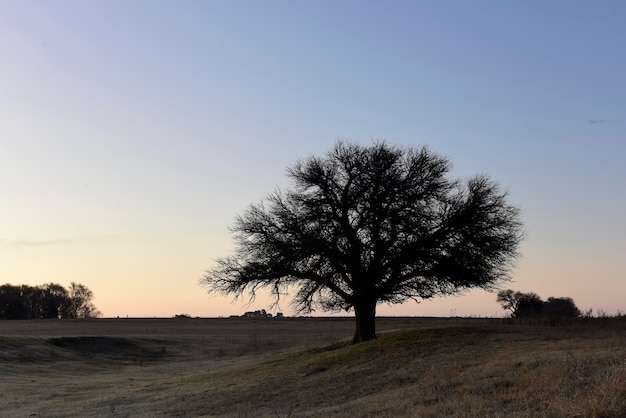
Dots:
(365, 225)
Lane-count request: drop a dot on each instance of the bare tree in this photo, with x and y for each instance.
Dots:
(80, 305)
(509, 300)
(520, 304)
(368, 225)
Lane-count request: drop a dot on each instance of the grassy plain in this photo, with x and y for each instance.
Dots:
(427, 367)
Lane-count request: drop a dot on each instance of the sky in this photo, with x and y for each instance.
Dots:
(132, 133)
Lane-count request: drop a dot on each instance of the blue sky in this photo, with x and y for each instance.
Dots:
(133, 132)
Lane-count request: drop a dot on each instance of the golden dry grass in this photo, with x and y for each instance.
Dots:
(305, 367)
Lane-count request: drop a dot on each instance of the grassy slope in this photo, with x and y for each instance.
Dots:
(467, 371)
(576, 369)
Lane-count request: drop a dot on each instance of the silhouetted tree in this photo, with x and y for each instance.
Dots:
(530, 305)
(54, 301)
(561, 307)
(12, 304)
(509, 299)
(527, 305)
(32, 300)
(520, 304)
(80, 305)
(369, 225)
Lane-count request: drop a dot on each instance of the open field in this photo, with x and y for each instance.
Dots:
(427, 367)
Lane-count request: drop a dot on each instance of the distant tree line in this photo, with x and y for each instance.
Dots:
(530, 305)
(260, 314)
(46, 301)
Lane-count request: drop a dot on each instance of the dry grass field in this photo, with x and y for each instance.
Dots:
(426, 367)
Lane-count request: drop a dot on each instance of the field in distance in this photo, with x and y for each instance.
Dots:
(306, 367)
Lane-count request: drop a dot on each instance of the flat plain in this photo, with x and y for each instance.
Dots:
(428, 367)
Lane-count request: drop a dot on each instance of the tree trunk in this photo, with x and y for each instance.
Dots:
(365, 314)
